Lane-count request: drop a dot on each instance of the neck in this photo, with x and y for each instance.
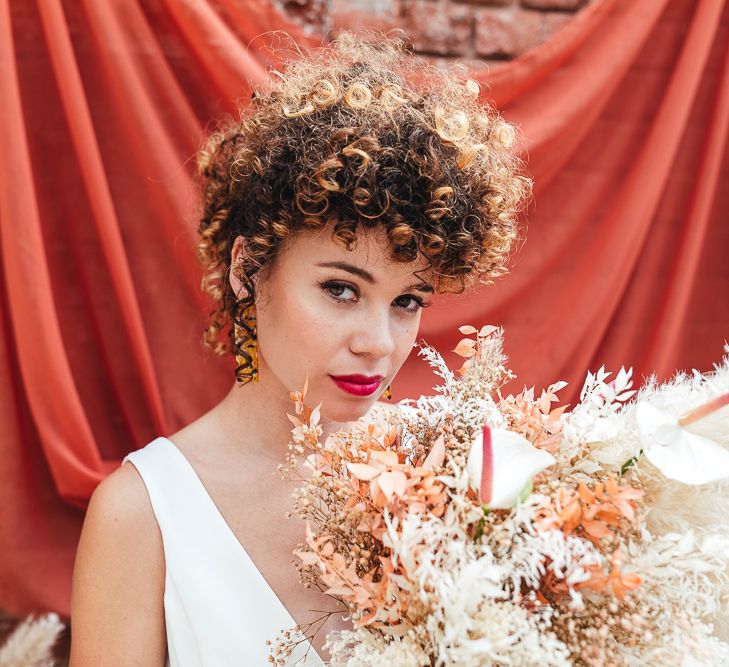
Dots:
(253, 422)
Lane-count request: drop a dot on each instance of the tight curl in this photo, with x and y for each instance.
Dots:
(360, 133)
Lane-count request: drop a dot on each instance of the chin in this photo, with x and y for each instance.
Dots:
(347, 411)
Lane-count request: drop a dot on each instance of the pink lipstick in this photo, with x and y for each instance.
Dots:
(359, 385)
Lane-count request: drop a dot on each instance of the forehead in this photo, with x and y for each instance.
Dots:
(372, 253)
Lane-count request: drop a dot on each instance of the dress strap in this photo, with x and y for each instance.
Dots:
(185, 511)
(207, 569)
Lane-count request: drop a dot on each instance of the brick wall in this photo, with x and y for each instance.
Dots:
(470, 30)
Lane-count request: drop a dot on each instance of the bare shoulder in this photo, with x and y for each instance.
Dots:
(117, 609)
(120, 508)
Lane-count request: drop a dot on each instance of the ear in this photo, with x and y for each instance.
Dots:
(237, 255)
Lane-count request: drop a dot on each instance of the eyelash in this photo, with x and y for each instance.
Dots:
(335, 284)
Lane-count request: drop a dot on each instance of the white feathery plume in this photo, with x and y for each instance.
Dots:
(31, 643)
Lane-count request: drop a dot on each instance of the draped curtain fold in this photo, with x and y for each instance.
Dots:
(625, 115)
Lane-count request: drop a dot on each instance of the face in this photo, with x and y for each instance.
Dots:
(325, 312)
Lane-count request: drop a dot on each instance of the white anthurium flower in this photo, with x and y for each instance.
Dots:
(677, 453)
(501, 465)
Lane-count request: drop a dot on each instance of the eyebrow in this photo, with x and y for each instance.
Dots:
(366, 275)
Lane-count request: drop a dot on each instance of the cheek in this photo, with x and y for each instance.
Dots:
(300, 334)
(296, 332)
(405, 339)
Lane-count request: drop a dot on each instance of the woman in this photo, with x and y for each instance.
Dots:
(357, 185)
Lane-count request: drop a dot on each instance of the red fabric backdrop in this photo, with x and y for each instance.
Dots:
(626, 111)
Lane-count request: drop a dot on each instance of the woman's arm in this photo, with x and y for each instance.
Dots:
(117, 610)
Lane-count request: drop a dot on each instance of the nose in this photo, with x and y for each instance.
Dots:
(373, 334)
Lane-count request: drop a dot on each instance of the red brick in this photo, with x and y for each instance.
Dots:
(438, 28)
(505, 33)
(359, 15)
(360, 22)
(309, 13)
(553, 4)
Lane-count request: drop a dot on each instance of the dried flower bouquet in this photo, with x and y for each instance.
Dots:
(471, 529)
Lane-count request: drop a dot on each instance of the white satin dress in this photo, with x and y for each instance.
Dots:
(219, 609)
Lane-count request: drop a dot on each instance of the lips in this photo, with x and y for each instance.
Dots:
(359, 385)
(361, 379)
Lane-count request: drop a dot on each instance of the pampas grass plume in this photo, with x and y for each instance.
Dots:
(31, 643)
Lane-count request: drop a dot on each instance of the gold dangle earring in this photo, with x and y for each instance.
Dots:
(387, 393)
(246, 345)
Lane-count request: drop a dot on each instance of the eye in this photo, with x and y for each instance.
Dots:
(409, 303)
(336, 289)
(416, 303)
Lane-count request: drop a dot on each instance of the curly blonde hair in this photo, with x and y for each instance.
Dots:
(360, 132)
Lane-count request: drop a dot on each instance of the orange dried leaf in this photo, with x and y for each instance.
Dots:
(631, 493)
(486, 330)
(611, 486)
(556, 414)
(385, 456)
(362, 471)
(466, 348)
(609, 519)
(596, 528)
(393, 482)
(585, 494)
(570, 515)
(620, 583)
(367, 618)
(436, 455)
(625, 507)
(307, 557)
(294, 420)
